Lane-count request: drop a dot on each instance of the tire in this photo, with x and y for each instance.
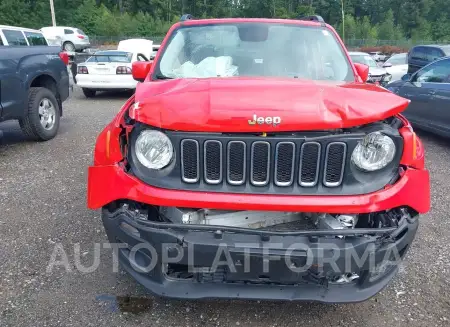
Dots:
(69, 46)
(89, 93)
(40, 98)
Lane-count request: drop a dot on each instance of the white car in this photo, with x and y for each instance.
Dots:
(376, 73)
(71, 39)
(378, 56)
(19, 36)
(397, 66)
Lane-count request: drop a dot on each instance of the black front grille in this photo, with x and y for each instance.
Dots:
(236, 162)
(284, 163)
(260, 161)
(213, 162)
(190, 162)
(334, 164)
(309, 164)
(277, 163)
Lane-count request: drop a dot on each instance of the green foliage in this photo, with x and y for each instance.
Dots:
(417, 20)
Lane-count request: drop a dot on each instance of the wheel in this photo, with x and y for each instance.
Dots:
(89, 93)
(68, 46)
(41, 121)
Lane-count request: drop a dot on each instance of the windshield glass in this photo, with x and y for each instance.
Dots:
(398, 59)
(111, 56)
(254, 49)
(364, 59)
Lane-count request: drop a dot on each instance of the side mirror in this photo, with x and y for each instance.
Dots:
(140, 70)
(363, 71)
(387, 65)
(406, 77)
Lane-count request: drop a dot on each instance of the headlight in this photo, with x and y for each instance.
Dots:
(153, 149)
(374, 152)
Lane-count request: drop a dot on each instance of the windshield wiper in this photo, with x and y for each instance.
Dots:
(161, 76)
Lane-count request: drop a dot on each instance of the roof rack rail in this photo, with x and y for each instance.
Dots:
(314, 18)
(186, 17)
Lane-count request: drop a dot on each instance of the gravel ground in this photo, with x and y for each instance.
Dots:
(43, 205)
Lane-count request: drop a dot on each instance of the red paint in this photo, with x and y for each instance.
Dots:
(363, 71)
(226, 105)
(109, 183)
(140, 69)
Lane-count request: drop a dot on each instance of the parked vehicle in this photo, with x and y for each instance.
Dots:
(71, 39)
(111, 69)
(19, 36)
(33, 85)
(233, 149)
(397, 66)
(155, 51)
(429, 92)
(377, 74)
(378, 56)
(421, 55)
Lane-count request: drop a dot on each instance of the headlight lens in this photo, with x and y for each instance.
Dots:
(374, 152)
(153, 149)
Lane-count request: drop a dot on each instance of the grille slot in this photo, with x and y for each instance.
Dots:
(213, 162)
(189, 161)
(236, 156)
(260, 163)
(284, 163)
(334, 164)
(309, 164)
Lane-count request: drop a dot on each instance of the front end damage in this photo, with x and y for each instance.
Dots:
(191, 253)
(283, 215)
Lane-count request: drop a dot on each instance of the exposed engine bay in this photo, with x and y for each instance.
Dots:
(282, 221)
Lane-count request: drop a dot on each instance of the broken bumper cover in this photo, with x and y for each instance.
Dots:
(183, 261)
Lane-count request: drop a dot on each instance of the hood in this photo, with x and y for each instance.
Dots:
(261, 105)
(377, 71)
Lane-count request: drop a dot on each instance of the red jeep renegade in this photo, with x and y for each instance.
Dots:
(255, 162)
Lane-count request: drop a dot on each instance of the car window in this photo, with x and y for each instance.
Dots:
(364, 59)
(80, 32)
(396, 60)
(14, 37)
(419, 53)
(111, 56)
(252, 49)
(434, 54)
(35, 38)
(67, 31)
(438, 72)
(446, 50)
(1, 41)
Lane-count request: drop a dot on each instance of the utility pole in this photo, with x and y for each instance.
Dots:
(343, 20)
(52, 9)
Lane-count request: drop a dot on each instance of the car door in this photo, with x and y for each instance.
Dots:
(10, 83)
(421, 90)
(440, 112)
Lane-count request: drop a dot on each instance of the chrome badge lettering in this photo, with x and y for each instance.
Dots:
(274, 121)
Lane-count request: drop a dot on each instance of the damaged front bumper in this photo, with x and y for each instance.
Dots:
(208, 261)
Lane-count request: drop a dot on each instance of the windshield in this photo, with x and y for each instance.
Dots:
(254, 49)
(398, 59)
(111, 56)
(363, 59)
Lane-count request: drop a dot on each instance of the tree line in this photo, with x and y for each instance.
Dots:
(425, 20)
